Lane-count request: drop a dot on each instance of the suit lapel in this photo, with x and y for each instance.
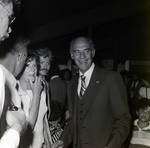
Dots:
(92, 89)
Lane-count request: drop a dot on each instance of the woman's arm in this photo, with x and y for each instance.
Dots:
(34, 108)
(47, 135)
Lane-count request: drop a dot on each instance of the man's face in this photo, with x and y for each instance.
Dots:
(144, 114)
(44, 66)
(82, 53)
(6, 12)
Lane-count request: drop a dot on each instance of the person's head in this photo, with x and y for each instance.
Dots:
(56, 111)
(45, 57)
(7, 10)
(66, 74)
(143, 110)
(30, 69)
(16, 53)
(126, 76)
(82, 51)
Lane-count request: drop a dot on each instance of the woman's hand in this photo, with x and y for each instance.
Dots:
(37, 86)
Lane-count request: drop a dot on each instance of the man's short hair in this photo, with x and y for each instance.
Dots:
(9, 45)
(44, 52)
(88, 39)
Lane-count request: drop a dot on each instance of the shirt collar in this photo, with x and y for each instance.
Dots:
(145, 128)
(88, 73)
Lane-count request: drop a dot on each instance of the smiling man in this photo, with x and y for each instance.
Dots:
(97, 102)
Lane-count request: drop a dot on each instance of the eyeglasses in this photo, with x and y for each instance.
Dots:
(11, 16)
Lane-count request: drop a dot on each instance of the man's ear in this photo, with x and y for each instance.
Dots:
(19, 57)
(93, 53)
(71, 54)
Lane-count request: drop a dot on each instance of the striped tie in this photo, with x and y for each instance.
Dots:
(83, 86)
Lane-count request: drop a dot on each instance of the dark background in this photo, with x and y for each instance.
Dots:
(119, 28)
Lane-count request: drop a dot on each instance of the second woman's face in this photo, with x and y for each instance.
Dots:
(31, 71)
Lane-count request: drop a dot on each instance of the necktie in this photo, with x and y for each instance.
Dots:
(83, 86)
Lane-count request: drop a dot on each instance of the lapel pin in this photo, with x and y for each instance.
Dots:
(97, 81)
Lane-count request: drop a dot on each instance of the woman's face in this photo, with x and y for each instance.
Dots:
(30, 70)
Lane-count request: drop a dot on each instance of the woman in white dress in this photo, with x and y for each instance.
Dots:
(30, 90)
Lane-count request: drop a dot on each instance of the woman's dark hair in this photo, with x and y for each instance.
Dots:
(31, 56)
(143, 103)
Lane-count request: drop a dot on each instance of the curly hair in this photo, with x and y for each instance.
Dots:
(44, 52)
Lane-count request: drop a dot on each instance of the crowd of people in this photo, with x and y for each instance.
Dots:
(105, 109)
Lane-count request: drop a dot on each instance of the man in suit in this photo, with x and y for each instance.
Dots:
(99, 117)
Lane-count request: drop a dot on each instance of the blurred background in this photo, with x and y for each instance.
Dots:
(120, 30)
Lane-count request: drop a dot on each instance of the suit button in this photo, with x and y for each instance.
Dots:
(81, 104)
(81, 111)
(80, 118)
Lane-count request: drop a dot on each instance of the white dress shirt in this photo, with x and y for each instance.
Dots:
(11, 137)
(87, 74)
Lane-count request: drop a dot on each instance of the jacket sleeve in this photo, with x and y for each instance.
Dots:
(119, 104)
(67, 135)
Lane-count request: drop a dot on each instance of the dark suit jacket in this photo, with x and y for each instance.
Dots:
(106, 118)
(58, 90)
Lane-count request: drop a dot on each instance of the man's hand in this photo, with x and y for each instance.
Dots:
(58, 144)
(17, 120)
